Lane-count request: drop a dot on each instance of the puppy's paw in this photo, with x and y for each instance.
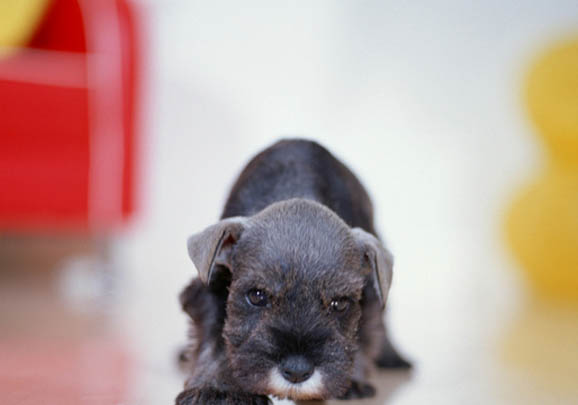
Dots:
(211, 396)
(392, 359)
(358, 389)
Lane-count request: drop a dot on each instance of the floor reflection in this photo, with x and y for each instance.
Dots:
(55, 353)
(540, 345)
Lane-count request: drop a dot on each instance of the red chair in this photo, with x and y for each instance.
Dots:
(68, 136)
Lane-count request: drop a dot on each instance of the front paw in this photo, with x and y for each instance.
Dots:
(211, 396)
(392, 359)
(358, 389)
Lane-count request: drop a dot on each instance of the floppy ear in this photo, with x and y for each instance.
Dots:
(214, 245)
(380, 261)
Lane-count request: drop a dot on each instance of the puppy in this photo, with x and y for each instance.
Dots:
(292, 285)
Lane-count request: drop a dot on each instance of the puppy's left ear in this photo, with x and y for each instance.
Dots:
(380, 261)
(214, 246)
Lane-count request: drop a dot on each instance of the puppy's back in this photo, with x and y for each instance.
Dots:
(297, 168)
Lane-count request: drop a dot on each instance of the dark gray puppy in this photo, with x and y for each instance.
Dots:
(292, 285)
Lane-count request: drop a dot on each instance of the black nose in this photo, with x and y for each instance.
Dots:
(296, 369)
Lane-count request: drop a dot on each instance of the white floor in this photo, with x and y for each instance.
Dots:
(422, 100)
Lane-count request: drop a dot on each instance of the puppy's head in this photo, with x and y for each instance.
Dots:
(295, 274)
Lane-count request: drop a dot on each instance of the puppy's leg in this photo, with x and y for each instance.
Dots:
(210, 382)
(387, 356)
(359, 387)
(210, 396)
(208, 386)
(359, 390)
(373, 335)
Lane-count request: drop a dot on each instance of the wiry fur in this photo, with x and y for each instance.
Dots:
(287, 230)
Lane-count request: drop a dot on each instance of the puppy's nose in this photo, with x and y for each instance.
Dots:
(296, 369)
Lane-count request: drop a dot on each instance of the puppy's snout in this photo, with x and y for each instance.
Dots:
(296, 369)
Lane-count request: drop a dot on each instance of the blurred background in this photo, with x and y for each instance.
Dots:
(124, 123)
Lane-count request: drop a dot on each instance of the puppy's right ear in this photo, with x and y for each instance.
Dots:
(214, 246)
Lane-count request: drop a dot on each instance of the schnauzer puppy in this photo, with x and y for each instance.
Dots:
(292, 285)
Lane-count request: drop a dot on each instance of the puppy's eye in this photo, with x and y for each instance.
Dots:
(339, 304)
(257, 297)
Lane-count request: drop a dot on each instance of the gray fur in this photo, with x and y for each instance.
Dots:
(297, 228)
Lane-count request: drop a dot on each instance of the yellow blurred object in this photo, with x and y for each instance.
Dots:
(542, 224)
(18, 20)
